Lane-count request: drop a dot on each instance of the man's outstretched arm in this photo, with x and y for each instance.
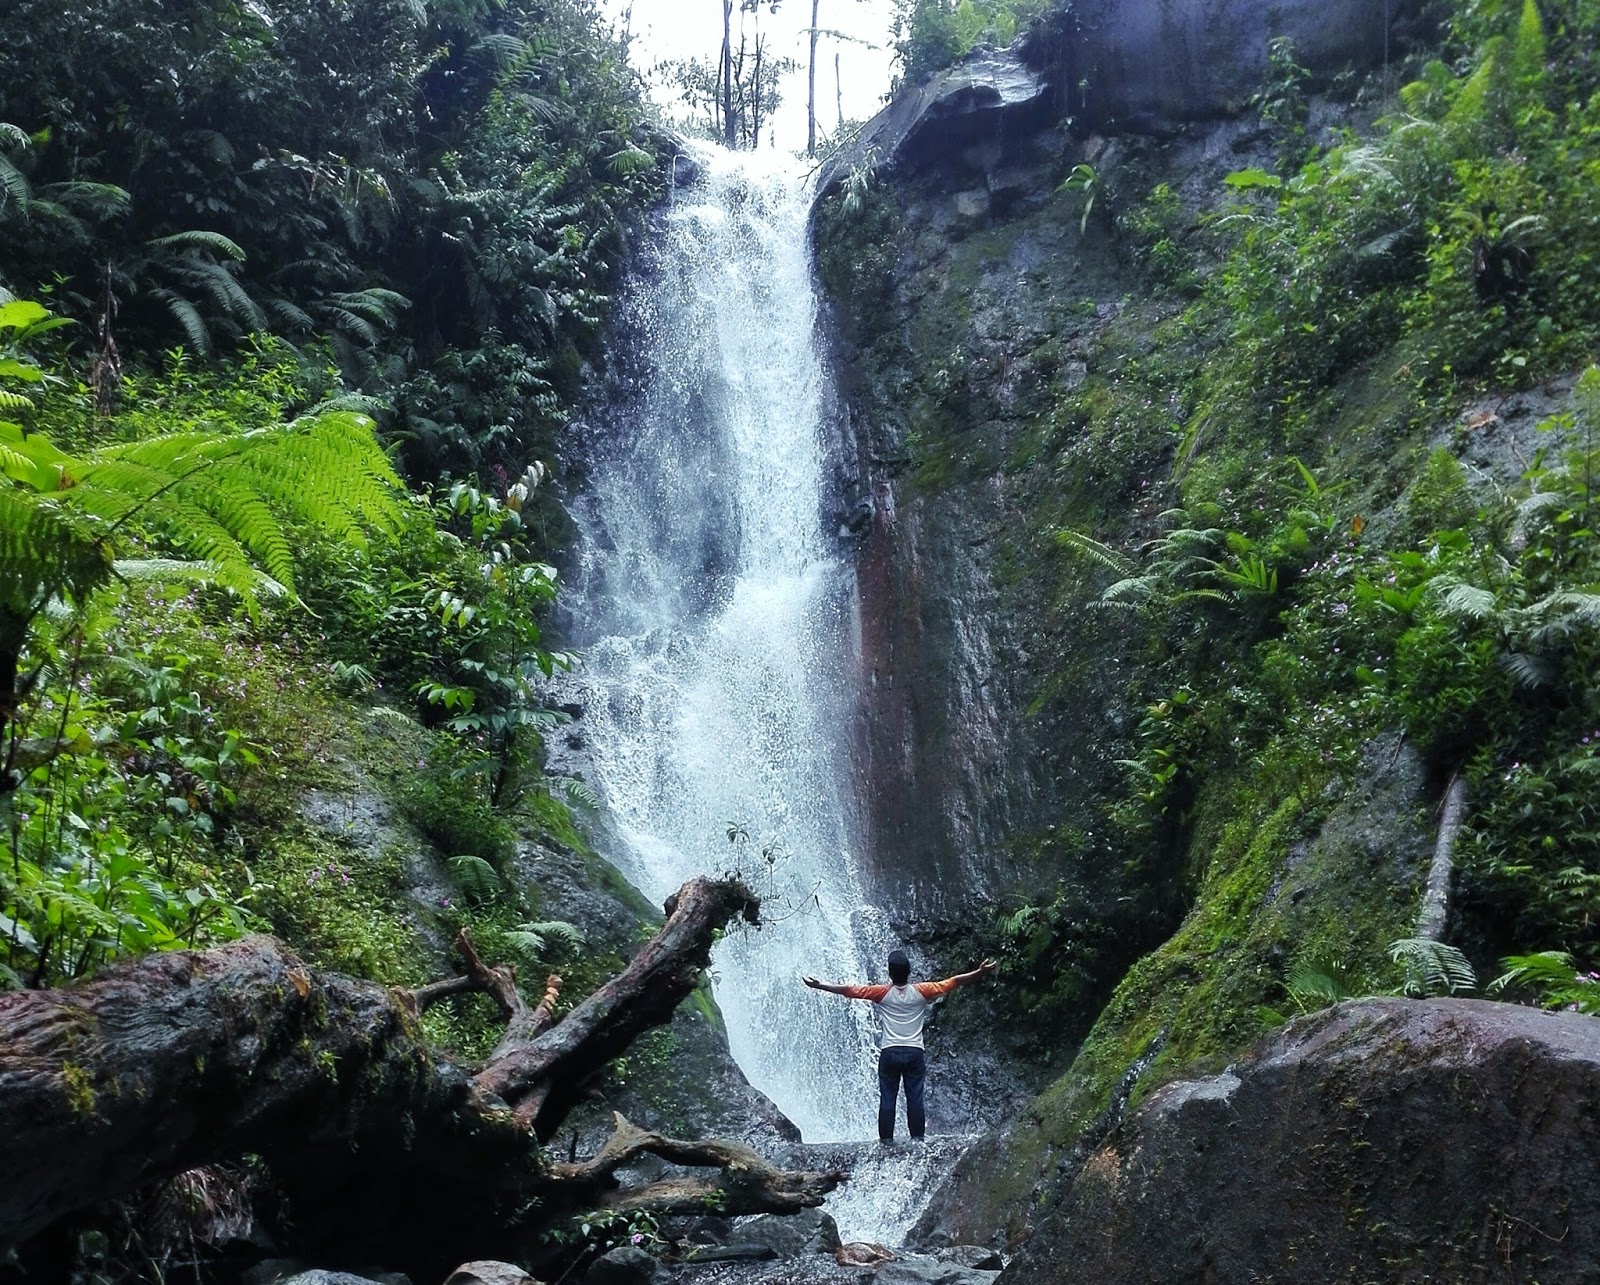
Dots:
(933, 990)
(849, 992)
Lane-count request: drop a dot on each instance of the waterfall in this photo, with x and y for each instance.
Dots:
(720, 622)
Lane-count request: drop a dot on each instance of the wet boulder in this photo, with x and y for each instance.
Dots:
(489, 1272)
(1383, 1139)
(918, 1270)
(626, 1265)
(811, 1231)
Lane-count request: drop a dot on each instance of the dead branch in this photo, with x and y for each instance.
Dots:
(747, 1184)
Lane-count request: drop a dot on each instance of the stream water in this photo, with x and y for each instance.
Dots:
(718, 670)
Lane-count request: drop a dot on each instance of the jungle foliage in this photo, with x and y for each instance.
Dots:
(432, 197)
(929, 35)
(293, 303)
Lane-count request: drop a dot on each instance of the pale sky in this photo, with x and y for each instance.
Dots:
(673, 29)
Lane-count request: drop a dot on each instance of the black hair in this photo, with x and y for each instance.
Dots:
(899, 967)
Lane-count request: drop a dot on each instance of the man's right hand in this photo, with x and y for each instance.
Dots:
(812, 982)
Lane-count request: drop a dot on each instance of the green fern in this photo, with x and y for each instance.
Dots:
(1318, 983)
(576, 791)
(477, 879)
(533, 939)
(1432, 968)
(194, 505)
(200, 240)
(1104, 554)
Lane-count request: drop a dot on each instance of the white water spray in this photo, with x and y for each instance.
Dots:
(717, 689)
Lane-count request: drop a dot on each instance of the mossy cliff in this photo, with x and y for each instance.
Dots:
(1189, 470)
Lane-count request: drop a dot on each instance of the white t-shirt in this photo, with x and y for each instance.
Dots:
(902, 1011)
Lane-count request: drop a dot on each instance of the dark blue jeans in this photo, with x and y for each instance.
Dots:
(896, 1064)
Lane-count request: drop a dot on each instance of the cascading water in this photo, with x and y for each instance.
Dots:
(720, 612)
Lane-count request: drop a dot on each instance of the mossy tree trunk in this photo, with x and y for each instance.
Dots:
(385, 1151)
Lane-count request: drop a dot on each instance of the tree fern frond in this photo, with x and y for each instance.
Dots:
(1433, 968)
(13, 184)
(1318, 983)
(1462, 601)
(245, 581)
(225, 290)
(379, 306)
(361, 403)
(1545, 967)
(1528, 670)
(103, 200)
(562, 931)
(188, 317)
(499, 49)
(1130, 591)
(630, 160)
(218, 501)
(47, 551)
(577, 791)
(199, 239)
(290, 316)
(1562, 614)
(353, 323)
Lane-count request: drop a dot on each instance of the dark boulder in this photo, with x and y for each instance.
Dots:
(916, 1270)
(625, 1265)
(1383, 1139)
(811, 1231)
(979, 1257)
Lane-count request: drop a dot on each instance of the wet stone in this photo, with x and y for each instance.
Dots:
(625, 1265)
(931, 1271)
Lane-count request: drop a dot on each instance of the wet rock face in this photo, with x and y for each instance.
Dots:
(1115, 66)
(1156, 67)
(1372, 1141)
(989, 98)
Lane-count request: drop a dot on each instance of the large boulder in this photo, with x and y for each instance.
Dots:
(1382, 1139)
(488, 1271)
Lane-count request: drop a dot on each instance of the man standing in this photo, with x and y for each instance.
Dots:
(902, 1009)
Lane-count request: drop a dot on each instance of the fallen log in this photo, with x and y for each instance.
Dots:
(385, 1151)
(746, 1184)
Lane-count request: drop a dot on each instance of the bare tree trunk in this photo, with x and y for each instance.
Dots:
(838, 91)
(741, 112)
(811, 86)
(755, 97)
(386, 1151)
(729, 138)
(1434, 915)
